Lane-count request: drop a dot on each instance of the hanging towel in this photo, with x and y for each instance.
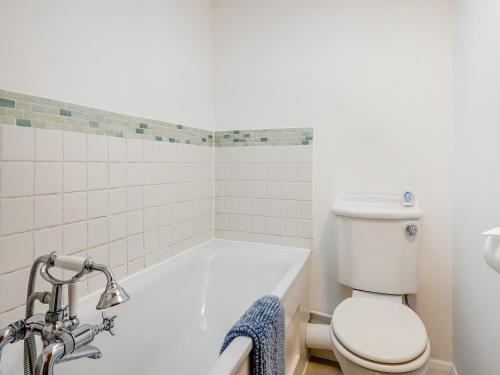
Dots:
(264, 323)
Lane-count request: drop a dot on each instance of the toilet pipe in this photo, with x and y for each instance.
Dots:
(318, 336)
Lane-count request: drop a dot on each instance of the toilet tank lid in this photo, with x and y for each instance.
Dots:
(374, 207)
(379, 330)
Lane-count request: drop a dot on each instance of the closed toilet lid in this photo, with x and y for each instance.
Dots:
(379, 330)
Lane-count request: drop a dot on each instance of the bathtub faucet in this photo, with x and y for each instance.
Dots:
(63, 338)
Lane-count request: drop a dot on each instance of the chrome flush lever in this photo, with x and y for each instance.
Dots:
(411, 229)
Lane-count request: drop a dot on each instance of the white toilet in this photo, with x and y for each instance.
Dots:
(378, 240)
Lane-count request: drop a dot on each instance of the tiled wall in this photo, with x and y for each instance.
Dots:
(131, 192)
(264, 193)
(32, 111)
(126, 202)
(264, 137)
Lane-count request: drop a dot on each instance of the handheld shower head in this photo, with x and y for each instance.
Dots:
(113, 295)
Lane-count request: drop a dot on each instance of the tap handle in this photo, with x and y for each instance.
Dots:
(108, 324)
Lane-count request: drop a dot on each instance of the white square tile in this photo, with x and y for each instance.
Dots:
(304, 209)
(98, 203)
(18, 143)
(48, 240)
(151, 151)
(134, 150)
(219, 220)
(151, 218)
(16, 252)
(259, 207)
(117, 149)
(97, 176)
(151, 259)
(135, 174)
(304, 228)
(304, 191)
(74, 237)
(165, 236)
(166, 173)
(117, 227)
(97, 231)
(288, 208)
(118, 253)
(244, 223)
(10, 296)
(273, 226)
(12, 316)
(117, 200)
(151, 197)
(75, 146)
(48, 145)
(120, 272)
(304, 172)
(97, 147)
(135, 266)
(48, 211)
(151, 241)
(100, 254)
(74, 207)
(17, 179)
(166, 153)
(259, 224)
(288, 227)
(75, 177)
(305, 243)
(117, 174)
(165, 193)
(48, 178)
(135, 247)
(273, 207)
(151, 174)
(303, 154)
(135, 198)
(135, 222)
(16, 215)
(165, 215)
(260, 189)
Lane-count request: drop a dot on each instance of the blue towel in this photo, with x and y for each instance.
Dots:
(264, 323)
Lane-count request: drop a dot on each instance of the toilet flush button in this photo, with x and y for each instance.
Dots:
(408, 199)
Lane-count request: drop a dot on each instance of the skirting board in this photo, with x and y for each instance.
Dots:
(438, 367)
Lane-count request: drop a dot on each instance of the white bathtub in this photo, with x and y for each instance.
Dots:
(182, 308)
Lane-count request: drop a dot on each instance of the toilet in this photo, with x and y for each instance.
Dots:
(377, 243)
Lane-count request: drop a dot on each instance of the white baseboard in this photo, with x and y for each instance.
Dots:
(438, 367)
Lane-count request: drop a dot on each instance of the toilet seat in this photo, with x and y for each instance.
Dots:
(380, 334)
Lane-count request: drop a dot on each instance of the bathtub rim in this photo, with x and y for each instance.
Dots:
(280, 290)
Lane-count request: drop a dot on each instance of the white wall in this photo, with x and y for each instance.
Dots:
(477, 178)
(374, 80)
(147, 58)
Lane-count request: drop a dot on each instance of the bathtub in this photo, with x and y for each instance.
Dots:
(181, 309)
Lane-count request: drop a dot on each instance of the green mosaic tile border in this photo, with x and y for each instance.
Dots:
(264, 137)
(31, 111)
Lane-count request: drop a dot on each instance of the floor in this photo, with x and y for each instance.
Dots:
(321, 367)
